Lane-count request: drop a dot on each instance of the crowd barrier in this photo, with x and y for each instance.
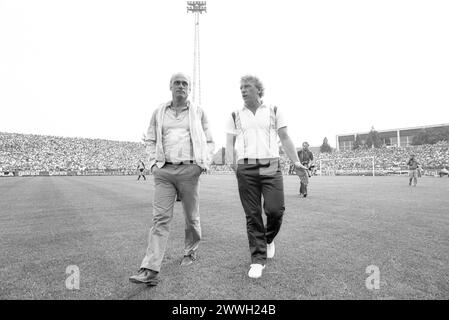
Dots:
(40, 173)
(99, 172)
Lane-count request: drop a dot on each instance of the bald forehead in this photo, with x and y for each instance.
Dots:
(179, 76)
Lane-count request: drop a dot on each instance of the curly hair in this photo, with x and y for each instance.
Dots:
(256, 81)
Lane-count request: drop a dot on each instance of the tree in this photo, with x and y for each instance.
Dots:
(357, 143)
(325, 147)
(373, 140)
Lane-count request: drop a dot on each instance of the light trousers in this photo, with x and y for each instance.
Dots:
(169, 180)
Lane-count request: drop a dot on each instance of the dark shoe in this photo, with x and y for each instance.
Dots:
(305, 195)
(178, 199)
(146, 276)
(188, 260)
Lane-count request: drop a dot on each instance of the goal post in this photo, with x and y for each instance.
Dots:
(347, 166)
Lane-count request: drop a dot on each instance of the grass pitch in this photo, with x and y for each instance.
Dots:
(327, 240)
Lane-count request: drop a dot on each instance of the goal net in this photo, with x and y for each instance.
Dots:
(363, 166)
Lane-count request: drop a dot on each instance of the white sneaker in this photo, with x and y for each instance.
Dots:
(270, 250)
(256, 270)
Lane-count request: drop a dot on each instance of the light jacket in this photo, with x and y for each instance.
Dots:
(202, 141)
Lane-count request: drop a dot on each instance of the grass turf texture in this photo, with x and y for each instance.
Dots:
(326, 242)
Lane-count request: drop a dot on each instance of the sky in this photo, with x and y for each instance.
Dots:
(98, 68)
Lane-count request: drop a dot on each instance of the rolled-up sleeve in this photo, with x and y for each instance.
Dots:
(280, 119)
(150, 139)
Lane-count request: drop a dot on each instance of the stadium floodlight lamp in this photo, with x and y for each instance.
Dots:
(196, 6)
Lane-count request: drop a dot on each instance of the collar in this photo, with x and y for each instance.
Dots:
(169, 104)
(262, 105)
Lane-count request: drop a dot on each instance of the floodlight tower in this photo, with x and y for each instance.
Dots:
(197, 8)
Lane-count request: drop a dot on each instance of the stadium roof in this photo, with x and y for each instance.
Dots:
(400, 129)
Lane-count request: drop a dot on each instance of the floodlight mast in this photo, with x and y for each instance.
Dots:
(196, 7)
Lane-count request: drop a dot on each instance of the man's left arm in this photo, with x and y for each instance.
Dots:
(287, 143)
(289, 148)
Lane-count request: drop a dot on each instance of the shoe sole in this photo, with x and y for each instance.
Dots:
(152, 283)
(255, 277)
(148, 283)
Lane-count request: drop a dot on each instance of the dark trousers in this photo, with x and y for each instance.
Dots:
(303, 188)
(254, 181)
(141, 174)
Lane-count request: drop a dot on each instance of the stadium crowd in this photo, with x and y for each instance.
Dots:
(50, 153)
(431, 156)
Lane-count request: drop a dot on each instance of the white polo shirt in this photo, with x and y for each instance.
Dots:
(258, 137)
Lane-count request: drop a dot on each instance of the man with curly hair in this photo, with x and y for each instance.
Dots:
(252, 151)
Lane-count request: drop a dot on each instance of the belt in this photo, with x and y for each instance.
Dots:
(264, 162)
(182, 162)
